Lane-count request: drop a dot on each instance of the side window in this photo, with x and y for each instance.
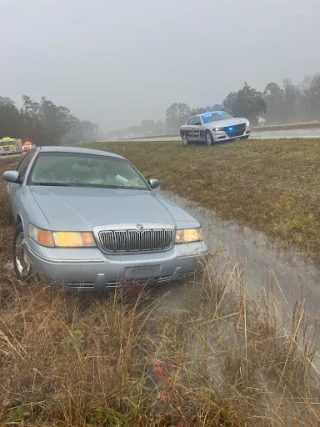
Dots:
(23, 165)
(190, 121)
(197, 121)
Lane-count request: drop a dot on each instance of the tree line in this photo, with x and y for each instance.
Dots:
(43, 123)
(277, 104)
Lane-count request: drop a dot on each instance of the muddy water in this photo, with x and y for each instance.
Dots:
(263, 266)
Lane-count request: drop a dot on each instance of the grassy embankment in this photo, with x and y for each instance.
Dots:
(271, 185)
(220, 358)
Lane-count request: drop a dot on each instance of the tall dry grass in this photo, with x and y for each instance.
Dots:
(223, 359)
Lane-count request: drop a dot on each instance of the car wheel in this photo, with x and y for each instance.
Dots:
(21, 261)
(209, 138)
(185, 140)
(245, 137)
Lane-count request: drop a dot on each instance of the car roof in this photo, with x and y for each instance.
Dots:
(76, 150)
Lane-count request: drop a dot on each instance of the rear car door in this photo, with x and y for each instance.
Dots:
(189, 129)
(198, 132)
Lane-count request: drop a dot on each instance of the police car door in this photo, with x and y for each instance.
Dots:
(197, 129)
(189, 129)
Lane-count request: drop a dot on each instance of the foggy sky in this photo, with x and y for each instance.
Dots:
(118, 62)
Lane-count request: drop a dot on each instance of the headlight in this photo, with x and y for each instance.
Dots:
(247, 123)
(189, 235)
(68, 239)
(217, 129)
(61, 239)
(43, 237)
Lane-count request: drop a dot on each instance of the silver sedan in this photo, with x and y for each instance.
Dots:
(88, 219)
(213, 127)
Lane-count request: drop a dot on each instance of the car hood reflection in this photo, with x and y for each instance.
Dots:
(79, 208)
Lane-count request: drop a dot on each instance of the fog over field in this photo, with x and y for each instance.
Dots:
(119, 63)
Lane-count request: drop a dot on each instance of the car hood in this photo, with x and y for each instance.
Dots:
(228, 122)
(82, 209)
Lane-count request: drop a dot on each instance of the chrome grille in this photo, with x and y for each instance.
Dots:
(136, 241)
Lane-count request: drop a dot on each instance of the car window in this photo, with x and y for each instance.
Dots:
(23, 165)
(85, 170)
(197, 121)
(190, 121)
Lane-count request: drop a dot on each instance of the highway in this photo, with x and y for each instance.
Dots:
(274, 134)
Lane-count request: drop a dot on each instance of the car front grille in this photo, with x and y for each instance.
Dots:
(237, 130)
(135, 241)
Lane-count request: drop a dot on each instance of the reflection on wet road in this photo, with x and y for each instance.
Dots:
(274, 134)
(264, 266)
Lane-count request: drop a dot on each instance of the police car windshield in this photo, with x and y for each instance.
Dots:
(215, 116)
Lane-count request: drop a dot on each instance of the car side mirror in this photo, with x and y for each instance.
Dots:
(154, 183)
(11, 176)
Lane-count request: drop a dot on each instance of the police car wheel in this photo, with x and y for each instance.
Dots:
(185, 140)
(209, 139)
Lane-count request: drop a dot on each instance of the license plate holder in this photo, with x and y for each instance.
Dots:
(142, 272)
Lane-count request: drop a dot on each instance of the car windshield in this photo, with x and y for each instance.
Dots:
(3, 144)
(83, 170)
(215, 116)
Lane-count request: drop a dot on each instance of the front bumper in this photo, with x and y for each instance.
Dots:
(90, 269)
(223, 136)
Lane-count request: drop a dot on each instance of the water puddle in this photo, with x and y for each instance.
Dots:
(264, 266)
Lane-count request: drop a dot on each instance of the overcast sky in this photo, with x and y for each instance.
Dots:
(118, 62)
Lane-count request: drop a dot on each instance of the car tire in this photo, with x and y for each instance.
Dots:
(185, 140)
(245, 137)
(209, 138)
(21, 261)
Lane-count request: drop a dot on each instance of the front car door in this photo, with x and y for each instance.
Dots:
(14, 188)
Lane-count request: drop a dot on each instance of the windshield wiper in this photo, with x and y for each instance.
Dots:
(52, 184)
(124, 187)
(134, 188)
(57, 184)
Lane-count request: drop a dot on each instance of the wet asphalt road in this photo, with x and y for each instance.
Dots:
(275, 134)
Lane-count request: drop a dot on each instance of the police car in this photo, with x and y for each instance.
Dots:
(214, 126)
